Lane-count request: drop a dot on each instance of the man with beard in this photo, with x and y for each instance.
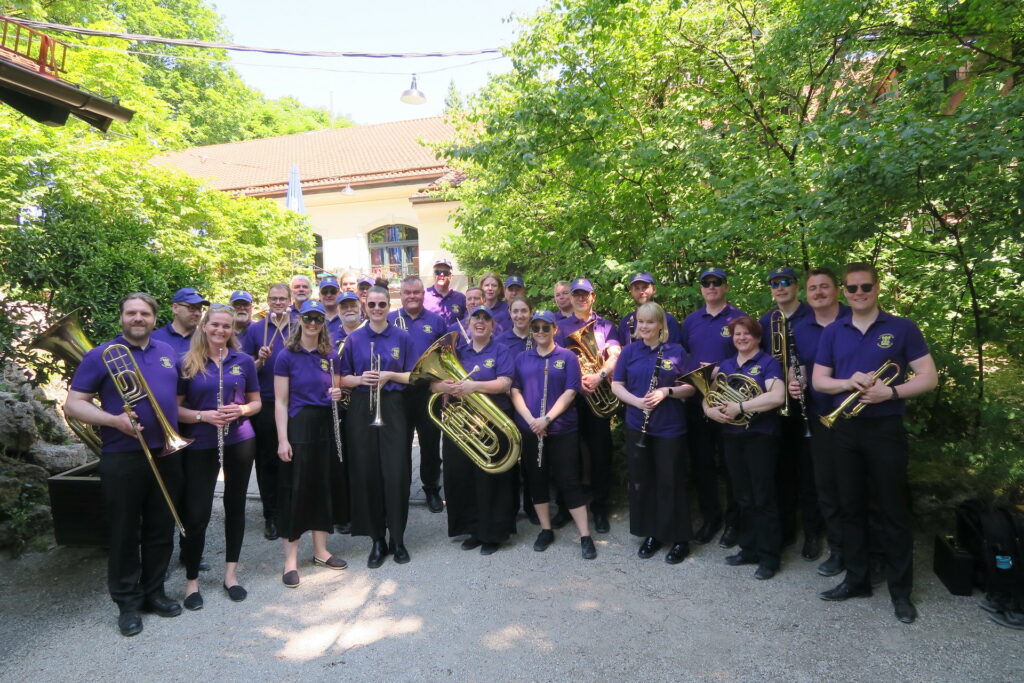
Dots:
(329, 291)
(642, 289)
(441, 299)
(139, 521)
(187, 308)
(241, 301)
(302, 290)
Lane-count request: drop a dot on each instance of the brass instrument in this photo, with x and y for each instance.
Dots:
(878, 375)
(65, 341)
(400, 322)
(334, 414)
(583, 343)
(478, 427)
(375, 390)
(778, 326)
(720, 388)
(642, 443)
(133, 388)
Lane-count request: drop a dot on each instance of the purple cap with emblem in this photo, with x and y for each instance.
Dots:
(783, 272)
(312, 306)
(481, 309)
(546, 316)
(514, 281)
(581, 284)
(443, 262)
(366, 280)
(329, 281)
(187, 295)
(240, 295)
(642, 277)
(348, 296)
(714, 272)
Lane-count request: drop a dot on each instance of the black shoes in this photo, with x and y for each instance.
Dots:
(290, 579)
(434, 502)
(677, 553)
(401, 554)
(377, 554)
(236, 593)
(845, 591)
(740, 559)
(833, 565)
(587, 547)
(470, 543)
(130, 623)
(270, 530)
(905, 610)
(561, 518)
(489, 548)
(706, 532)
(601, 524)
(812, 548)
(161, 605)
(764, 573)
(331, 562)
(544, 539)
(647, 549)
(193, 601)
(729, 536)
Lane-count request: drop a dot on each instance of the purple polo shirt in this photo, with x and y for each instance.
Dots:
(843, 348)
(707, 336)
(801, 312)
(635, 368)
(394, 346)
(513, 342)
(502, 316)
(563, 373)
(335, 330)
(628, 325)
(251, 343)
(604, 331)
(806, 333)
(200, 393)
(494, 360)
(169, 335)
(761, 368)
(309, 377)
(158, 365)
(423, 331)
(559, 316)
(451, 306)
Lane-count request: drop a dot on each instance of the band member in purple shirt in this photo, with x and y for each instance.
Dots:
(139, 523)
(378, 463)
(871, 447)
(241, 300)
(563, 300)
(517, 337)
(301, 291)
(479, 503)
(494, 299)
(645, 381)
(187, 308)
(642, 289)
(264, 341)
(546, 380)
(329, 291)
(304, 388)
(474, 298)
(706, 336)
(424, 329)
(448, 303)
(217, 390)
(514, 286)
(751, 451)
(595, 432)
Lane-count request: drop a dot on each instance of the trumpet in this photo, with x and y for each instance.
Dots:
(583, 343)
(132, 387)
(375, 390)
(720, 388)
(400, 322)
(886, 374)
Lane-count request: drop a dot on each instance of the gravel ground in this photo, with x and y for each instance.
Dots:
(516, 615)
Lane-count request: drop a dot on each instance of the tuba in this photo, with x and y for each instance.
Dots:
(583, 343)
(65, 341)
(478, 427)
(720, 388)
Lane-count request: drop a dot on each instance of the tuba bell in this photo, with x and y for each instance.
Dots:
(478, 427)
(65, 341)
(720, 388)
(583, 343)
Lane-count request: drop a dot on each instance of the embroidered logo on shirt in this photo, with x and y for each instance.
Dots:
(754, 371)
(489, 363)
(323, 364)
(885, 340)
(396, 352)
(166, 362)
(455, 308)
(666, 364)
(559, 364)
(725, 331)
(236, 370)
(428, 329)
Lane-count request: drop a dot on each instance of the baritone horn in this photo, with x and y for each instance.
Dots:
(583, 343)
(474, 423)
(886, 374)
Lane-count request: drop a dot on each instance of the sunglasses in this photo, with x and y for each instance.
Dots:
(328, 291)
(312, 319)
(442, 273)
(540, 327)
(866, 287)
(377, 304)
(775, 284)
(711, 282)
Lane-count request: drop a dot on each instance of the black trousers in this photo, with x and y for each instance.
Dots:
(267, 462)
(418, 420)
(752, 461)
(478, 503)
(595, 439)
(200, 468)
(871, 459)
(139, 524)
(378, 467)
(795, 477)
(827, 483)
(704, 437)
(659, 504)
(560, 465)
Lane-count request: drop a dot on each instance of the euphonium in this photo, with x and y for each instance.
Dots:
(888, 366)
(582, 342)
(478, 427)
(779, 331)
(720, 388)
(65, 341)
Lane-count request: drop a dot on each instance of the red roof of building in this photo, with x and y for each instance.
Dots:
(358, 155)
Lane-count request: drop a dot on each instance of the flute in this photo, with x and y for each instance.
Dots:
(334, 414)
(220, 406)
(543, 411)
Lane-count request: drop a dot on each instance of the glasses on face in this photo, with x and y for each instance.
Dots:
(277, 299)
(442, 273)
(192, 308)
(543, 328)
(780, 283)
(312, 319)
(376, 304)
(328, 291)
(866, 287)
(711, 282)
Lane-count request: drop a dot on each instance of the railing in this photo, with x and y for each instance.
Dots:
(31, 48)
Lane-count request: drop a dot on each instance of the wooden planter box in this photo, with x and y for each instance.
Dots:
(76, 503)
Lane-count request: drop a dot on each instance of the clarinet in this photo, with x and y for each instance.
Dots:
(798, 373)
(543, 410)
(651, 387)
(334, 414)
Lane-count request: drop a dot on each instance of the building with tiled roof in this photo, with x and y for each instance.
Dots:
(365, 189)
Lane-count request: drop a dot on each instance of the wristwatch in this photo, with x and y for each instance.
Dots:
(199, 417)
(602, 374)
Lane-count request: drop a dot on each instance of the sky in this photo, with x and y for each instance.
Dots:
(370, 26)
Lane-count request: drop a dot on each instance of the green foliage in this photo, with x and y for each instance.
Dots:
(666, 136)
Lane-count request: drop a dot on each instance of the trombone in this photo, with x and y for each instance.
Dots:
(778, 326)
(886, 374)
(132, 387)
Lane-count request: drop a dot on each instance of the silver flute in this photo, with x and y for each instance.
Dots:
(221, 431)
(543, 412)
(334, 414)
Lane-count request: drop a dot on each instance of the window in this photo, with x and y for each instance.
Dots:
(394, 251)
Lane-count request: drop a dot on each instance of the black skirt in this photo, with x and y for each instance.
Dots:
(305, 500)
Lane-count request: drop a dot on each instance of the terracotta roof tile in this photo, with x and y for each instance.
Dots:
(359, 154)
